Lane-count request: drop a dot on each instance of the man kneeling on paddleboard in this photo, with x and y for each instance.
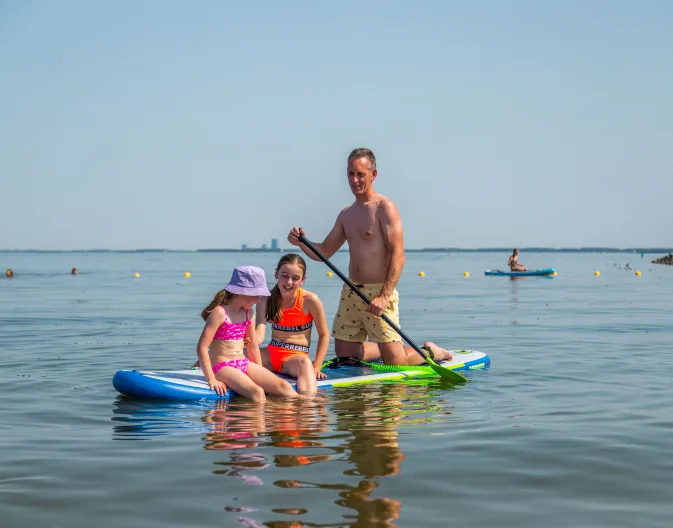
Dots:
(373, 229)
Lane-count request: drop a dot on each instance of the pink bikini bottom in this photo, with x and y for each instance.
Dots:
(240, 364)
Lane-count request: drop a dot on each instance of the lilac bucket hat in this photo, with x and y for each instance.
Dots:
(248, 280)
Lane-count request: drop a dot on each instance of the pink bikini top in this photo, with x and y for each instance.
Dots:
(229, 331)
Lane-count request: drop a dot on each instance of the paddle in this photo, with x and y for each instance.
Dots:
(442, 371)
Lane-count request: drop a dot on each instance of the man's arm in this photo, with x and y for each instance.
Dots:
(334, 240)
(393, 236)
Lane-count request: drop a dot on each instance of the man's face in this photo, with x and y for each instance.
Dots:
(360, 175)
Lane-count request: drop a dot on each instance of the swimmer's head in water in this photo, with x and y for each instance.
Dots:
(74, 271)
(9, 273)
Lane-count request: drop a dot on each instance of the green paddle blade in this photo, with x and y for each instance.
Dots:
(446, 373)
(432, 365)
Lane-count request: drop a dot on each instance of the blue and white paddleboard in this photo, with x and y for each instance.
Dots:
(531, 273)
(191, 384)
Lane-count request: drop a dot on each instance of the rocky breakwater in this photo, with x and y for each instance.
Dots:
(668, 259)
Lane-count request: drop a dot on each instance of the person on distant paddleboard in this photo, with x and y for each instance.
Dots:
(220, 349)
(513, 262)
(373, 229)
(292, 312)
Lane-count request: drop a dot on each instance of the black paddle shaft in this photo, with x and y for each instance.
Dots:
(362, 296)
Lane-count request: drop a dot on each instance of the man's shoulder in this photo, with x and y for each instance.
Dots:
(344, 212)
(386, 205)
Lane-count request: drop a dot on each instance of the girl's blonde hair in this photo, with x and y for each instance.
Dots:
(274, 310)
(221, 297)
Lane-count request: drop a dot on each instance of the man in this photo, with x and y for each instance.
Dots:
(373, 229)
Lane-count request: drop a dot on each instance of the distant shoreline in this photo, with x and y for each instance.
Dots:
(408, 250)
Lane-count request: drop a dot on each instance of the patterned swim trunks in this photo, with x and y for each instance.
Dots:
(354, 323)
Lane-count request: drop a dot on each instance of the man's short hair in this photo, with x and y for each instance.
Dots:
(363, 153)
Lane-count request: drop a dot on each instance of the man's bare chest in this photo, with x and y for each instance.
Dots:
(362, 225)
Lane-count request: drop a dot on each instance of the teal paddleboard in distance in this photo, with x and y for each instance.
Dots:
(530, 273)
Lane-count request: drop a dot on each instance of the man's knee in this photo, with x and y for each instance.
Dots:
(348, 349)
(393, 353)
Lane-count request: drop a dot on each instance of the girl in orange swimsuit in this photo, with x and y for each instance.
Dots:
(292, 312)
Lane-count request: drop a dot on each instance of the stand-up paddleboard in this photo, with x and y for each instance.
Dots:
(191, 384)
(531, 273)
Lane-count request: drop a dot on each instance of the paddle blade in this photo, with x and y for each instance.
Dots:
(446, 373)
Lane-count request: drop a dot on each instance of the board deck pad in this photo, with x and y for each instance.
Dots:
(190, 384)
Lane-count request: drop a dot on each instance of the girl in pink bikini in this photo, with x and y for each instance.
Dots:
(220, 349)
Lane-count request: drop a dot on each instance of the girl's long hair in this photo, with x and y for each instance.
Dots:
(274, 310)
(221, 297)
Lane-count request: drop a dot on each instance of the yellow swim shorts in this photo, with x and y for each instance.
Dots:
(353, 323)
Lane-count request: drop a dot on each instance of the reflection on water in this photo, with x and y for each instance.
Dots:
(515, 296)
(356, 428)
(233, 427)
(517, 286)
(142, 420)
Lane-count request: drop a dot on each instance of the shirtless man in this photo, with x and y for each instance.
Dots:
(513, 262)
(373, 229)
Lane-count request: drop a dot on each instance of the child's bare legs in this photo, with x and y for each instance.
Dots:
(271, 383)
(241, 384)
(300, 366)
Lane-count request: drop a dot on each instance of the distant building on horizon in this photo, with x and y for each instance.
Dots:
(264, 247)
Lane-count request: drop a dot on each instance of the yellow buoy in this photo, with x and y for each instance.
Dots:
(554, 274)
(187, 274)
(638, 273)
(421, 274)
(330, 274)
(466, 274)
(597, 273)
(136, 275)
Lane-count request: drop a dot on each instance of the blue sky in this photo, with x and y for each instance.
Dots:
(211, 124)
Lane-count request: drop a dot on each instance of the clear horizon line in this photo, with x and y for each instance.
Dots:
(648, 249)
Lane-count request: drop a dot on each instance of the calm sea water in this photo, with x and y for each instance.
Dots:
(571, 426)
